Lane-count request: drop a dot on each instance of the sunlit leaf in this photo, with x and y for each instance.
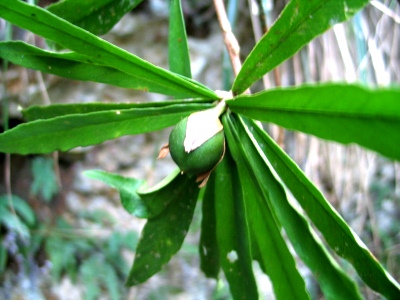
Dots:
(268, 245)
(36, 112)
(69, 131)
(340, 237)
(179, 60)
(299, 231)
(299, 23)
(95, 16)
(338, 112)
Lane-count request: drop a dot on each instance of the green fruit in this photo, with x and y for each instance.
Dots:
(201, 159)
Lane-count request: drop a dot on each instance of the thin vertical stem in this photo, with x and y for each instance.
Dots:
(7, 163)
(230, 40)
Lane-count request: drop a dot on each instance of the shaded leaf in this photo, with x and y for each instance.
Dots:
(163, 235)
(233, 231)
(147, 76)
(338, 112)
(95, 16)
(139, 200)
(127, 188)
(44, 178)
(179, 60)
(21, 207)
(336, 232)
(299, 23)
(69, 131)
(268, 245)
(208, 246)
(70, 65)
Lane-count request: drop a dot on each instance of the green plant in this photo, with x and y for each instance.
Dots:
(96, 262)
(246, 203)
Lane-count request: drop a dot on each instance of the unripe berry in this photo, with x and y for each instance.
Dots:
(199, 160)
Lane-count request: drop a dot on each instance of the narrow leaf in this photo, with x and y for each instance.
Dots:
(56, 110)
(336, 232)
(139, 200)
(208, 246)
(304, 240)
(127, 188)
(179, 60)
(69, 65)
(69, 131)
(233, 231)
(148, 77)
(163, 235)
(95, 16)
(270, 248)
(338, 112)
(299, 23)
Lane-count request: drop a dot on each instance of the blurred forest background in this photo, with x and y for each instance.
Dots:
(68, 237)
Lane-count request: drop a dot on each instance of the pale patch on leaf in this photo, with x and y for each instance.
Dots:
(232, 256)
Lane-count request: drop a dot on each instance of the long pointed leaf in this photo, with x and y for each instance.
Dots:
(69, 131)
(338, 112)
(127, 188)
(148, 77)
(163, 235)
(56, 110)
(69, 65)
(139, 200)
(208, 246)
(96, 16)
(179, 60)
(299, 23)
(273, 253)
(336, 232)
(232, 231)
(304, 240)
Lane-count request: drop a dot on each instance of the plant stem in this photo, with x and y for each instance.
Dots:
(230, 40)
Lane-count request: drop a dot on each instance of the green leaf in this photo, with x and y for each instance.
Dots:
(95, 16)
(56, 110)
(21, 207)
(139, 200)
(338, 112)
(44, 178)
(336, 232)
(70, 65)
(179, 60)
(69, 131)
(303, 238)
(147, 76)
(233, 231)
(13, 223)
(163, 235)
(208, 246)
(127, 188)
(299, 23)
(268, 245)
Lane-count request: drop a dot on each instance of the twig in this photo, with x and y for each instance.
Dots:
(47, 101)
(7, 163)
(230, 40)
